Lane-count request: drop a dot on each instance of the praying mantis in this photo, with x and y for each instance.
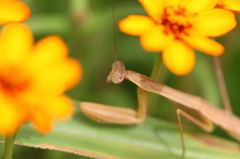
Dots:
(210, 114)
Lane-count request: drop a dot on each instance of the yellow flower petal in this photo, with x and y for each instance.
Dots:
(59, 107)
(203, 44)
(13, 11)
(49, 49)
(58, 77)
(2, 60)
(214, 22)
(233, 5)
(179, 58)
(73, 70)
(30, 76)
(135, 24)
(41, 120)
(196, 6)
(172, 2)
(156, 39)
(17, 41)
(49, 109)
(57, 73)
(154, 8)
(10, 118)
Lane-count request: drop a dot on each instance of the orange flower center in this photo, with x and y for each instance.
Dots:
(177, 19)
(13, 81)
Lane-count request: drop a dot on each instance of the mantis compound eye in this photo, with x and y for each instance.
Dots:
(117, 74)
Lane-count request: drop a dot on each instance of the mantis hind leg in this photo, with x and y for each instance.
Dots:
(206, 125)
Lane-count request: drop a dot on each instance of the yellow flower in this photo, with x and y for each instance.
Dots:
(176, 26)
(13, 11)
(33, 79)
(232, 5)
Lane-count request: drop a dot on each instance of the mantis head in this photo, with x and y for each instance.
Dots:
(117, 74)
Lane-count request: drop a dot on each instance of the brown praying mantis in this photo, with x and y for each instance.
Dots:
(209, 113)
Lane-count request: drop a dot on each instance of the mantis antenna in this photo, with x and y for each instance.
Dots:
(114, 32)
(118, 69)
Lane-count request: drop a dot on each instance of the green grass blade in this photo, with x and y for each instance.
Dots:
(152, 139)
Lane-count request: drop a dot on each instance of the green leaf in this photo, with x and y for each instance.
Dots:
(152, 139)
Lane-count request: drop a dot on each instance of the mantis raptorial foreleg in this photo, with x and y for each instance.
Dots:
(115, 115)
(109, 114)
(209, 113)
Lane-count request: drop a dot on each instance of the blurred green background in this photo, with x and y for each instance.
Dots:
(87, 27)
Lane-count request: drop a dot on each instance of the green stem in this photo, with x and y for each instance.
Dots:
(155, 75)
(221, 84)
(8, 147)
